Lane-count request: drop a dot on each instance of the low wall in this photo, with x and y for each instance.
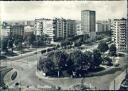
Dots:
(111, 70)
(39, 74)
(104, 72)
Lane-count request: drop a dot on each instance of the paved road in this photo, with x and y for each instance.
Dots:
(27, 66)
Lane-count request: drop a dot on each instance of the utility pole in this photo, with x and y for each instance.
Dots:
(114, 85)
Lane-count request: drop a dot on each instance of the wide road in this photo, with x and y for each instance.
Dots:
(26, 68)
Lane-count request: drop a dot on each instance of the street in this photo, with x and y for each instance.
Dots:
(26, 68)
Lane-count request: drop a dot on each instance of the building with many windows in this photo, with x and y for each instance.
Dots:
(78, 28)
(103, 26)
(119, 34)
(63, 28)
(88, 19)
(17, 29)
(57, 29)
(44, 26)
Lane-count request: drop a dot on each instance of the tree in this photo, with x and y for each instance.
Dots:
(89, 55)
(18, 39)
(107, 61)
(5, 44)
(112, 50)
(31, 39)
(80, 62)
(89, 58)
(78, 43)
(59, 59)
(97, 60)
(46, 65)
(10, 43)
(103, 46)
(70, 65)
(66, 43)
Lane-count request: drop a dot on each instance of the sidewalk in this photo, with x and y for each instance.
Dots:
(27, 54)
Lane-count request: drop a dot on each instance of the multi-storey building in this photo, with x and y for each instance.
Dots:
(56, 29)
(29, 23)
(78, 28)
(119, 34)
(6, 31)
(63, 28)
(17, 29)
(103, 26)
(88, 23)
(28, 30)
(44, 26)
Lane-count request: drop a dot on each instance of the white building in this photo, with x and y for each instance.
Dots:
(64, 28)
(119, 34)
(44, 26)
(5, 31)
(78, 28)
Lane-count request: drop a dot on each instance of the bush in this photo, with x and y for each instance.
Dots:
(76, 64)
(107, 61)
(112, 50)
(80, 62)
(97, 60)
(103, 46)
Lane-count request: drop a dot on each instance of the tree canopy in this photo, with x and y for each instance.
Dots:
(75, 63)
(103, 46)
(112, 50)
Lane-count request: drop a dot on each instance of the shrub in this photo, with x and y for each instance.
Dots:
(103, 46)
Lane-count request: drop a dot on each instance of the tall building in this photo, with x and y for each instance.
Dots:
(88, 19)
(44, 26)
(63, 28)
(119, 34)
(17, 29)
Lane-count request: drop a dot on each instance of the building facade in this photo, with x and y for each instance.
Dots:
(88, 19)
(6, 31)
(44, 26)
(78, 28)
(29, 23)
(56, 29)
(63, 28)
(103, 26)
(17, 30)
(119, 34)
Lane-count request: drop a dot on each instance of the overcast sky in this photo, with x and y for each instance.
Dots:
(27, 10)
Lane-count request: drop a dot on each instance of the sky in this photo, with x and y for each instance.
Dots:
(30, 10)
